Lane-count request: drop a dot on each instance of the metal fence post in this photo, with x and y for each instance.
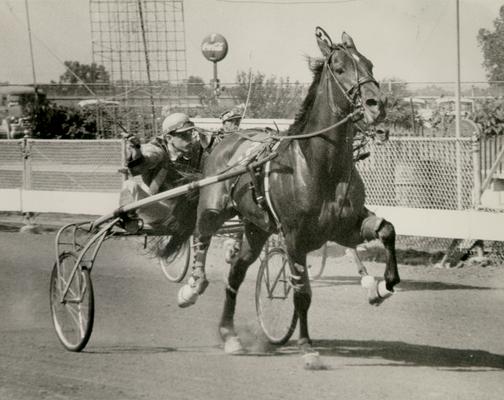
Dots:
(29, 225)
(476, 161)
(27, 168)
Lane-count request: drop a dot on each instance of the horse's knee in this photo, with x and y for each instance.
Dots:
(387, 234)
(207, 222)
(301, 283)
(374, 227)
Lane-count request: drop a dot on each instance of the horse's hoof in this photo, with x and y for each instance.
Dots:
(189, 293)
(34, 229)
(367, 281)
(312, 361)
(187, 296)
(377, 292)
(233, 346)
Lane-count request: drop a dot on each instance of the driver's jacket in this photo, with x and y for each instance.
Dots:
(156, 166)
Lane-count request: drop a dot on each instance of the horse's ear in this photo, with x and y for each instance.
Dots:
(347, 40)
(324, 41)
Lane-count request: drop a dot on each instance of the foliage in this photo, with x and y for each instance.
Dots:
(395, 87)
(269, 97)
(53, 121)
(195, 86)
(432, 90)
(88, 73)
(492, 45)
(399, 112)
(490, 117)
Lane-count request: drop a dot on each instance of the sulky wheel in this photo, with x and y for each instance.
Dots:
(316, 262)
(175, 267)
(72, 312)
(274, 302)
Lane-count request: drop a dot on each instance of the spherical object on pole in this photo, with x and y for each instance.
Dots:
(214, 47)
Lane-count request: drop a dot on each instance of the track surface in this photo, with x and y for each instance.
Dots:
(440, 337)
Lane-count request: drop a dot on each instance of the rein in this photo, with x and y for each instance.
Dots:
(354, 116)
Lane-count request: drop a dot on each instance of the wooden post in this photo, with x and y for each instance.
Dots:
(476, 159)
(413, 123)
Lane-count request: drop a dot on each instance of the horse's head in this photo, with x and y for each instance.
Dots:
(352, 75)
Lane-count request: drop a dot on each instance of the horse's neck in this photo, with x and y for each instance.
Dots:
(330, 154)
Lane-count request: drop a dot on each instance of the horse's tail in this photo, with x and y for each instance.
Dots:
(167, 247)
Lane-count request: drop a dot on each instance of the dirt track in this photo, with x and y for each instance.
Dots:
(439, 337)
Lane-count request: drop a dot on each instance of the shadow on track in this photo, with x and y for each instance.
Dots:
(404, 286)
(129, 350)
(414, 355)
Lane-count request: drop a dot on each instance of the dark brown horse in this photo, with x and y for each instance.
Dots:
(315, 192)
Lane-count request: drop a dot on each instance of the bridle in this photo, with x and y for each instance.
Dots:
(353, 94)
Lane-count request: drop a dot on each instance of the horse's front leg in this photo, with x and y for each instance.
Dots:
(251, 247)
(302, 292)
(372, 228)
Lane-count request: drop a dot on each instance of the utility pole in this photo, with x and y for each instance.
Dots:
(34, 111)
(457, 114)
(31, 47)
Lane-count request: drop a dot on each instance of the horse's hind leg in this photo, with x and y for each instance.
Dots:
(361, 268)
(208, 223)
(373, 227)
(253, 242)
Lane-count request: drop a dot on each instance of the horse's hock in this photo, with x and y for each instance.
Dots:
(425, 184)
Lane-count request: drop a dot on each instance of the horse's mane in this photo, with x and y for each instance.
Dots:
(316, 66)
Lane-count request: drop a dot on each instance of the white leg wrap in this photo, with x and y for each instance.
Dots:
(383, 292)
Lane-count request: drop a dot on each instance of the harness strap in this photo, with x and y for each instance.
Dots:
(267, 171)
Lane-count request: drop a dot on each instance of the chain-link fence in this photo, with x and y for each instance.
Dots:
(11, 164)
(428, 173)
(432, 173)
(61, 165)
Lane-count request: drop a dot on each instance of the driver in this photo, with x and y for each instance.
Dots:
(156, 166)
(230, 121)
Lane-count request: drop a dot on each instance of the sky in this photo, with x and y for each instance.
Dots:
(410, 40)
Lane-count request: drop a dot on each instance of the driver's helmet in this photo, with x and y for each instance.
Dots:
(176, 123)
(231, 115)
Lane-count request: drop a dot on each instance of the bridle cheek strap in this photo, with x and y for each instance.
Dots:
(353, 94)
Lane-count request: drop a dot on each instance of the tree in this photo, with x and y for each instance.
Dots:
(88, 73)
(269, 97)
(399, 112)
(195, 86)
(395, 87)
(492, 45)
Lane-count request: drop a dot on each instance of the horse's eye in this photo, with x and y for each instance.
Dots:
(339, 70)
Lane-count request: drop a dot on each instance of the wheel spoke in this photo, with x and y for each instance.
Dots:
(275, 310)
(73, 313)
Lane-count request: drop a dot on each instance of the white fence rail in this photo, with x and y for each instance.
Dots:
(425, 186)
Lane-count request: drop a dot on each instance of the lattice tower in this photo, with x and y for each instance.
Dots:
(141, 43)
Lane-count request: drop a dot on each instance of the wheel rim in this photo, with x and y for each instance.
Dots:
(274, 303)
(175, 267)
(72, 314)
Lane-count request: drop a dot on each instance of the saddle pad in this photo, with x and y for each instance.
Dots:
(247, 150)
